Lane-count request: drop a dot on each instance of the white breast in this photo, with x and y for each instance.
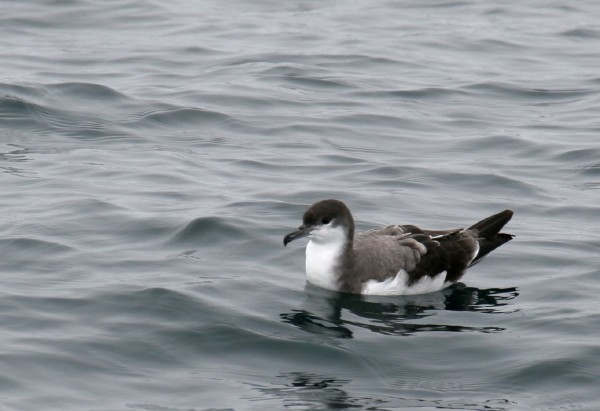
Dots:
(321, 261)
(399, 285)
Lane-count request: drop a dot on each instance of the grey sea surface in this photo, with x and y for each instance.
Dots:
(154, 154)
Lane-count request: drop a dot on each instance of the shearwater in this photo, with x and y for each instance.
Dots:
(392, 260)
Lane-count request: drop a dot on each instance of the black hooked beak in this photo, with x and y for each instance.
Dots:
(303, 231)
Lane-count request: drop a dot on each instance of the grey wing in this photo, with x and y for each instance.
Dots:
(383, 256)
(394, 230)
(382, 252)
(405, 230)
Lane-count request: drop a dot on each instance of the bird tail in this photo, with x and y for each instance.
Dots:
(489, 235)
(489, 227)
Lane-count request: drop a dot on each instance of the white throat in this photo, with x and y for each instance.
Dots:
(323, 253)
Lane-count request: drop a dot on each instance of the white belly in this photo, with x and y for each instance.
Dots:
(321, 260)
(399, 285)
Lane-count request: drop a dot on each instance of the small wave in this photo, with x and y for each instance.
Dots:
(258, 165)
(170, 116)
(494, 145)
(285, 61)
(89, 91)
(578, 155)
(590, 170)
(34, 246)
(421, 93)
(81, 110)
(17, 110)
(64, 94)
(310, 82)
(155, 303)
(21, 90)
(207, 231)
(514, 91)
(379, 121)
(582, 33)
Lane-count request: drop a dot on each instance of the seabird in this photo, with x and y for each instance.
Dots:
(392, 260)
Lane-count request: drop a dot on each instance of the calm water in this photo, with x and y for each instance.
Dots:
(153, 155)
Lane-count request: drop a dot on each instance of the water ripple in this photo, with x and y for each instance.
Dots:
(153, 155)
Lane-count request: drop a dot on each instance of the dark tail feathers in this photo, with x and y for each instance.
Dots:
(489, 227)
(490, 236)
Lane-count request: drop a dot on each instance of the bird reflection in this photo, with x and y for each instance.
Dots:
(317, 392)
(314, 391)
(336, 314)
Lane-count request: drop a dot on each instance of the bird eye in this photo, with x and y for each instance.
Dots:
(326, 220)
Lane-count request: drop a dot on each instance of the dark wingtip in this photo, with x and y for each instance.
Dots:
(505, 237)
(487, 245)
(490, 226)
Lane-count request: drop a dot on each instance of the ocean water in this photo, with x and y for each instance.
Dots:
(154, 154)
